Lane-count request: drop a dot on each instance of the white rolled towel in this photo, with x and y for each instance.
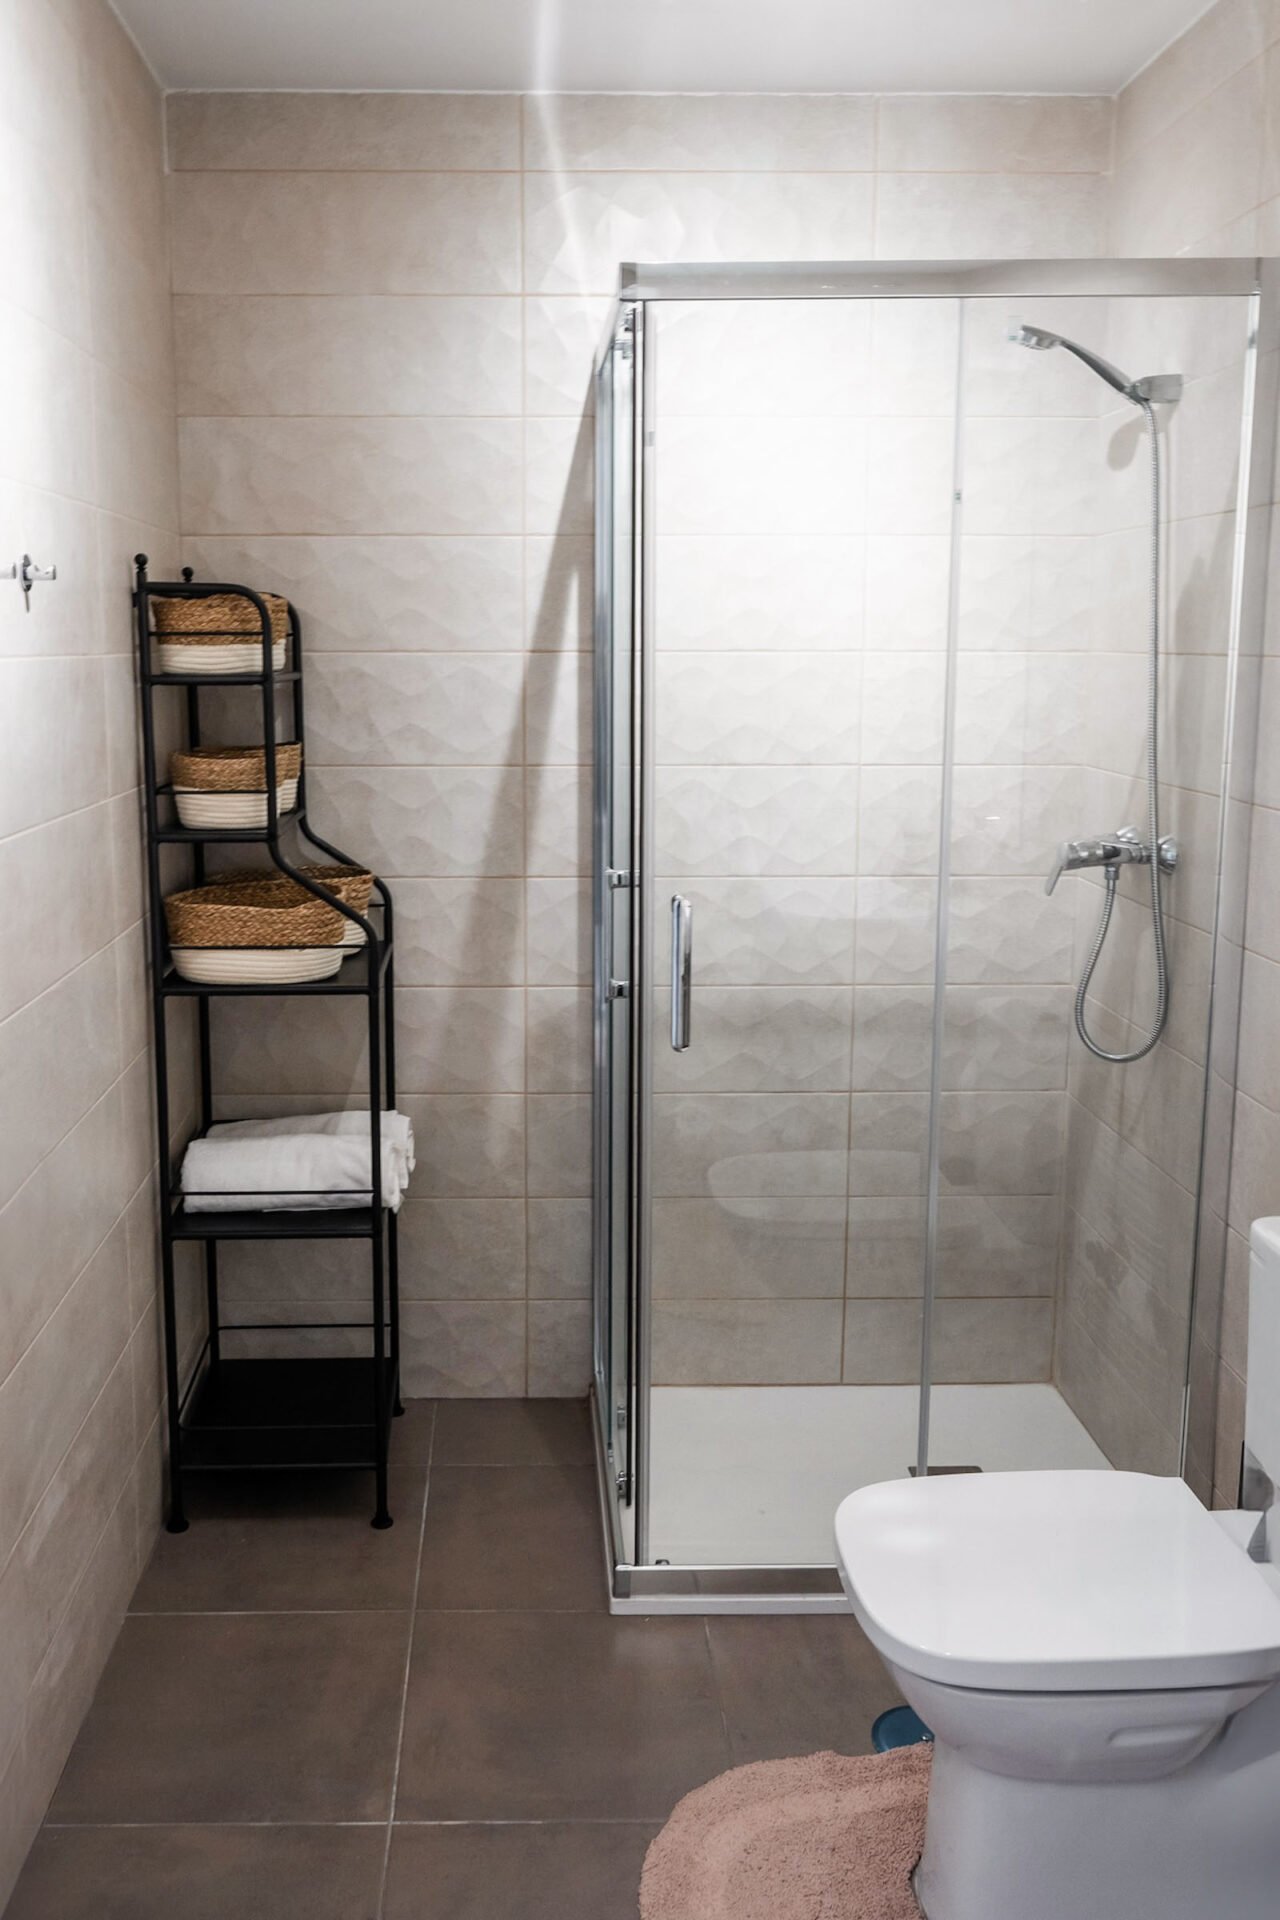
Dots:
(295, 1162)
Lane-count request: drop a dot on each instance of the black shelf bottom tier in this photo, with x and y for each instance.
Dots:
(263, 1414)
(296, 1223)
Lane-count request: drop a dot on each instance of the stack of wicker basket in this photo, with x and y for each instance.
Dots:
(219, 634)
(227, 786)
(260, 926)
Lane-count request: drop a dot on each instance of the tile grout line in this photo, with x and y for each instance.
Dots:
(408, 1667)
(717, 1689)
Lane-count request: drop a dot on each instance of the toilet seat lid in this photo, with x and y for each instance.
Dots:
(1055, 1583)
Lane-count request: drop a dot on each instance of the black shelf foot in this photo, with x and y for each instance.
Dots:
(382, 1521)
(176, 1523)
(398, 1408)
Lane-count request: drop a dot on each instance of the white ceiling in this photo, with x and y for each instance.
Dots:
(636, 46)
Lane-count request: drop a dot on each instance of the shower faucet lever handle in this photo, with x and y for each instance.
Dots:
(1124, 848)
(1074, 854)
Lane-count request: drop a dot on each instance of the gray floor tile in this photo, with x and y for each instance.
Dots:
(557, 1716)
(240, 1717)
(263, 1542)
(512, 1537)
(513, 1433)
(797, 1684)
(201, 1873)
(559, 1871)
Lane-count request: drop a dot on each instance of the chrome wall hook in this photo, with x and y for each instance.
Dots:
(26, 573)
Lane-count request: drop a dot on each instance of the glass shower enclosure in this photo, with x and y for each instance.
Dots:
(872, 621)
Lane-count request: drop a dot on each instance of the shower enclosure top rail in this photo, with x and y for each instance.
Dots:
(931, 280)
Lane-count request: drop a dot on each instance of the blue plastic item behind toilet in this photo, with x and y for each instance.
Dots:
(899, 1727)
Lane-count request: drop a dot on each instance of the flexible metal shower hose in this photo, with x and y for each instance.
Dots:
(1153, 809)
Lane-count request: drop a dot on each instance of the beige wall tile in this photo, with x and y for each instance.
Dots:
(557, 932)
(57, 1219)
(424, 821)
(559, 1156)
(414, 709)
(345, 233)
(559, 1348)
(469, 1145)
(999, 133)
(558, 591)
(45, 441)
(437, 594)
(1225, 38)
(459, 933)
(748, 1248)
(347, 354)
(944, 216)
(309, 476)
(560, 340)
(462, 1250)
(70, 621)
(49, 1392)
(761, 132)
(558, 1058)
(382, 132)
(76, 920)
(746, 1342)
(992, 1340)
(559, 1249)
(49, 1087)
(467, 1348)
(579, 226)
(1197, 173)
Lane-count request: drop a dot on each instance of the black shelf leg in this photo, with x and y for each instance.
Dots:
(381, 1421)
(211, 1301)
(393, 1301)
(377, 1245)
(177, 1521)
(393, 1242)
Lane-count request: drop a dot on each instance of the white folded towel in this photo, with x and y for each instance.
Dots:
(397, 1130)
(297, 1161)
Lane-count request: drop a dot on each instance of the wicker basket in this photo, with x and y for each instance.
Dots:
(352, 885)
(268, 885)
(227, 786)
(247, 929)
(217, 633)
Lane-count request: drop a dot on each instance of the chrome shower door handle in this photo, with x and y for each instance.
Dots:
(681, 971)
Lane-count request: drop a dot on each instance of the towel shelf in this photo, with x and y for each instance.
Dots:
(233, 1413)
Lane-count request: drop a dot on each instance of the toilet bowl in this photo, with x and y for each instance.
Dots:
(1096, 1655)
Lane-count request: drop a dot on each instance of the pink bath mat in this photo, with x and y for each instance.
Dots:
(825, 1838)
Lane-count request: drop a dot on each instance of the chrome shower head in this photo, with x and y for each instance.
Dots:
(1036, 337)
(1152, 386)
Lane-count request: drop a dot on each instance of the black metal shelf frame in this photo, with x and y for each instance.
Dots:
(234, 1415)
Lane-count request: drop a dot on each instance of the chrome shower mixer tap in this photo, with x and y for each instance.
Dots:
(1122, 849)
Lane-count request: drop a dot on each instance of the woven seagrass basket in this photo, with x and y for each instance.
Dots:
(354, 885)
(249, 929)
(227, 786)
(219, 633)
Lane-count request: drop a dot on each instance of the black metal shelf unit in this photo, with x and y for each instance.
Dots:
(233, 1414)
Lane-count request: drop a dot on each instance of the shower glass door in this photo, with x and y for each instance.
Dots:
(800, 483)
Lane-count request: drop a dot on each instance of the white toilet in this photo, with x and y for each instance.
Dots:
(1096, 1654)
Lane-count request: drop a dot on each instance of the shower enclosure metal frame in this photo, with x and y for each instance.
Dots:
(623, 911)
